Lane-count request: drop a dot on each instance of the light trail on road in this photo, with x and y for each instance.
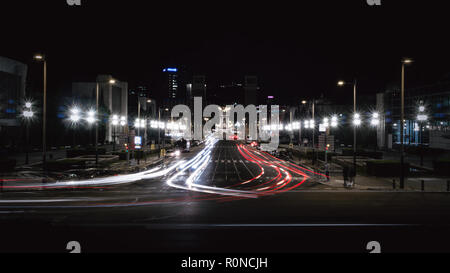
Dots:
(185, 175)
(101, 182)
(199, 164)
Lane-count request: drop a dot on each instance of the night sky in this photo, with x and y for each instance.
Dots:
(298, 49)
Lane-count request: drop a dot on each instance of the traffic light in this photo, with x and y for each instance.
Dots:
(126, 148)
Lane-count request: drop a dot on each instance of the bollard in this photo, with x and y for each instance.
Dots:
(393, 183)
(423, 185)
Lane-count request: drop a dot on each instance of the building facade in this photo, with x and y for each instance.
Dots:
(427, 116)
(13, 77)
(113, 98)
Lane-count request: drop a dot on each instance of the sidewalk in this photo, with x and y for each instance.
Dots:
(371, 183)
(366, 183)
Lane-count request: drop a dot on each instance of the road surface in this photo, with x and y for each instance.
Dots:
(221, 197)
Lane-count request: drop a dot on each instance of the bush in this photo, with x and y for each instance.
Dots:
(369, 154)
(7, 165)
(83, 152)
(422, 150)
(123, 155)
(442, 166)
(139, 154)
(320, 155)
(386, 168)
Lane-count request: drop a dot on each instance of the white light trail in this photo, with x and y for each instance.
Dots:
(199, 163)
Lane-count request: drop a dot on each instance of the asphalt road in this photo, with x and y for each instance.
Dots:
(224, 197)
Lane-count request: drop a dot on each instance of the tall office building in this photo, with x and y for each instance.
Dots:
(174, 86)
(13, 76)
(137, 94)
(113, 97)
(433, 130)
(172, 82)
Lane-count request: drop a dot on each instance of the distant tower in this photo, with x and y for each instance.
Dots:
(173, 84)
(189, 98)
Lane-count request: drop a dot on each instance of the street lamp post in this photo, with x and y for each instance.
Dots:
(140, 123)
(97, 94)
(159, 131)
(375, 122)
(97, 97)
(421, 118)
(326, 123)
(342, 83)
(40, 57)
(114, 123)
(314, 130)
(300, 129)
(28, 115)
(164, 136)
(402, 125)
(124, 124)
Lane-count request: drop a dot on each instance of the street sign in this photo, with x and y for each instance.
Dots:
(138, 142)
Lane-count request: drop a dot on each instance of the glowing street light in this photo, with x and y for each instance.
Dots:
(91, 117)
(407, 61)
(137, 123)
(375, 120)
(123, 121)
(74, 118)
(326, 122)
(41, 58)
(357, 120)
(75, 115)
(422, 118)
(140, 123)
(28, 114)
(334, 121)
(115, 120)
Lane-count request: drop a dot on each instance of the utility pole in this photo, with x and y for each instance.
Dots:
(314, 131)
(402, 126)
(354, 126)
(97, 91)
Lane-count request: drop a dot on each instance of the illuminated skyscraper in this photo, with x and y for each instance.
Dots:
(172, 82)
